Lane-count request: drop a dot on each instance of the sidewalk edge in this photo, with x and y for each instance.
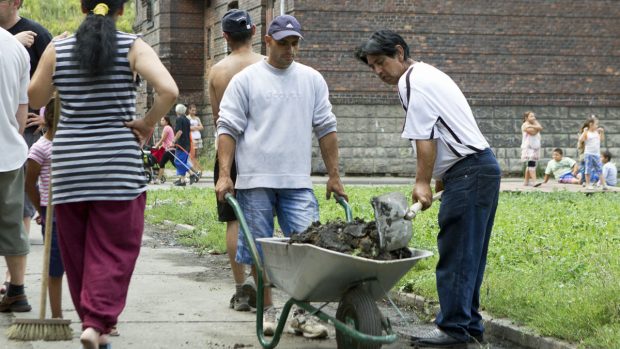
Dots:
(495, 327)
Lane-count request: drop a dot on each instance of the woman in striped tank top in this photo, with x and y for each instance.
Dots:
(98, 182)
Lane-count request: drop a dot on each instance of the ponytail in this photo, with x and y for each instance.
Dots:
(95, 47)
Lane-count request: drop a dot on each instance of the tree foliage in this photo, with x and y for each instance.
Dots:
(59, 16)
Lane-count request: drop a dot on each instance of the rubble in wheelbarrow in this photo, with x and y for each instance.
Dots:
(357, 238)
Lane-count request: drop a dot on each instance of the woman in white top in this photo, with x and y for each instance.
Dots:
(195, 128)
(592, 136)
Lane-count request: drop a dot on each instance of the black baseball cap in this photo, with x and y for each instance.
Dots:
(235, 21)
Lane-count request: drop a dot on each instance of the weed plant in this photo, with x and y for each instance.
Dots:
(553, 261)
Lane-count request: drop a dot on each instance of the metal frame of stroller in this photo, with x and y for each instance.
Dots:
(194, 177)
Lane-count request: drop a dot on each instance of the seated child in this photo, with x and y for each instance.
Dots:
(564, 169)
(610, 172)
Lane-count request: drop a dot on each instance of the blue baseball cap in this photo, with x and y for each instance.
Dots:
(283, 26)
(236, 21)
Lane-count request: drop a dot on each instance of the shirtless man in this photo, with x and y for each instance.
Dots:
(238, 31)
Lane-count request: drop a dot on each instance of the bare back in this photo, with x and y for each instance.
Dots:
(223, 72)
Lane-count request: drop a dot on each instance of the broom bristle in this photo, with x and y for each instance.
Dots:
(35, 330)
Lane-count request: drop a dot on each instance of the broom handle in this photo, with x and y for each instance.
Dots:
(47, 247)
(49, 222)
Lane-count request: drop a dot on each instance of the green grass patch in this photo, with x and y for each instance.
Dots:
(553, 262)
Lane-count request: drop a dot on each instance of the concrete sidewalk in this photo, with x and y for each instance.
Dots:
(509, 184)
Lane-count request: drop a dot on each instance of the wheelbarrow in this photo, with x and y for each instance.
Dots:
(308, 273)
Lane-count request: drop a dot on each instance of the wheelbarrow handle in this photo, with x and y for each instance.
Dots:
(417, 207)
(345, 205)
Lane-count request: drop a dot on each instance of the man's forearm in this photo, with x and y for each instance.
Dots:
(225, 153)
(22, 116)
(426, 155)
(329, 152)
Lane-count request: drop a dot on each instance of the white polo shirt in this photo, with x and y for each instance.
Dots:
(437, 109)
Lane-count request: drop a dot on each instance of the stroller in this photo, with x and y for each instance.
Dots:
(194, 175)
(150, 159)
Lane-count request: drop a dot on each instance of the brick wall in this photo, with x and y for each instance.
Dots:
(557, 58)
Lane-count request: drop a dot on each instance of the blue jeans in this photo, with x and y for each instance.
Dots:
(296, 209)
(181, 162)
(466, 215)
(57, 269)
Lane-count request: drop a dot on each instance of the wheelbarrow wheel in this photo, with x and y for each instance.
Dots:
(358, 310)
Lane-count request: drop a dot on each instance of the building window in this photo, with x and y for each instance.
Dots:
(233, 4)
(148, 10)
(208, 43)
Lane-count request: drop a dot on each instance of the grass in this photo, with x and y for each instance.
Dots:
(554, 262)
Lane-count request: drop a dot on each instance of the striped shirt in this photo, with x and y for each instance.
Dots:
(41, 152)
(94, 156)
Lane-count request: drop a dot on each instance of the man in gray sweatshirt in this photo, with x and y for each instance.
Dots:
(266, 119)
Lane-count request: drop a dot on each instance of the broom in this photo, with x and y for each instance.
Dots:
(42, 328)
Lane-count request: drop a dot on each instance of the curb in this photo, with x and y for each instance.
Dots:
(500, 328)
(177, 226)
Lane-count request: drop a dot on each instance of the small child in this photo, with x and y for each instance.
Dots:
(39, 168)
(591, 136)
(610, 172)
(563, 168)
(530, 146)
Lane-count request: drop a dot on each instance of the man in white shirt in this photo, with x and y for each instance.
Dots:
(451, 149)
(14, 245)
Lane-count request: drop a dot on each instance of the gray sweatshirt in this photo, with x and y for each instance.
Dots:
(271, 114)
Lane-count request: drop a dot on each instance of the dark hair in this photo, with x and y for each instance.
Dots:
(526, 115)
(607, 154)
(382, 42)
(589, 121)
(240, 37)
(167, 118)
(48, 115)
(95, 47)
(558, 150)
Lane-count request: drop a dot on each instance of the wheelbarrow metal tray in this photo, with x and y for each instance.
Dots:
(314, 274)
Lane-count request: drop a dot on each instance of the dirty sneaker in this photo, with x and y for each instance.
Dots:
(306, 325)
(239, 302)
(249, 289)
(193, 179)
(270, 321)
(14, 304)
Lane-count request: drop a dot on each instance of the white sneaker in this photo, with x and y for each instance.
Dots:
(307, 325)
(605, 187)
(590, 187)
(270, 321)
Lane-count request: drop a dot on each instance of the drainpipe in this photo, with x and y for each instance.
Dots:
(282, 7)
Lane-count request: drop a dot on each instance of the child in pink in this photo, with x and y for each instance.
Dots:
(39, 168)
(530, 146)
